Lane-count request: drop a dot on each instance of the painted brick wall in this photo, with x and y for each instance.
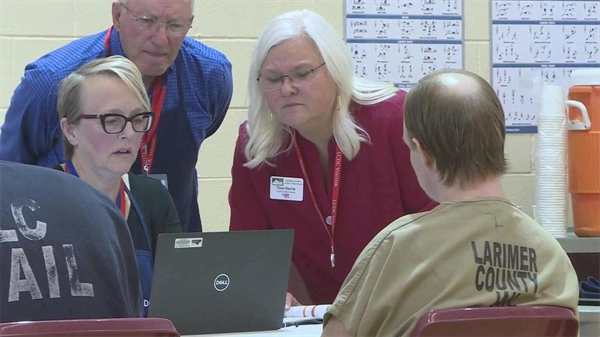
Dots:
(31, 28)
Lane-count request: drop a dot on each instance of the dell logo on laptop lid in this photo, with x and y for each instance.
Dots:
(221, 282)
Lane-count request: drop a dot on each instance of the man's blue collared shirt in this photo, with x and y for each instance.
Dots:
(31, 132)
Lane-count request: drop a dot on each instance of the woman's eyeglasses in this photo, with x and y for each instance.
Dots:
(115, 123)
(299, 78)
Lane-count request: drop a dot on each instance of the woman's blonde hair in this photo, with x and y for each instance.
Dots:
(268, 137)
(69, 94)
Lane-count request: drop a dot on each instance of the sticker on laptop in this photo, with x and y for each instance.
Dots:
(189, 243)
(286, 188)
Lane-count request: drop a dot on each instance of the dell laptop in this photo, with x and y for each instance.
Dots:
(220, 282)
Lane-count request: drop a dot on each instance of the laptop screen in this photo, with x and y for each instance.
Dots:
(220, 282)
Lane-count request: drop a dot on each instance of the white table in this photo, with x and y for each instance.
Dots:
(589, 321)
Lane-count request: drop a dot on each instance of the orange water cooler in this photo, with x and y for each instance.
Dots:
(584, 150)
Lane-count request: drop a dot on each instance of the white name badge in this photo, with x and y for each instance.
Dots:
(285, 188)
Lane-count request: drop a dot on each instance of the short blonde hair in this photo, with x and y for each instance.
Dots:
(69, 95)
(267, 137)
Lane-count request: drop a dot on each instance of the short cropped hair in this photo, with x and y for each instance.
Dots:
(126, 1)
(69, 94)
(463, 131)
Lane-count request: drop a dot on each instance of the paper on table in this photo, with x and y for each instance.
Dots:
(317, 311)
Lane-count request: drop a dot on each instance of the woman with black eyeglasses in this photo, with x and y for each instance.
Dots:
(104, 114)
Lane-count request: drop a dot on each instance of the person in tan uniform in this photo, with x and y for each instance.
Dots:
(476, 249)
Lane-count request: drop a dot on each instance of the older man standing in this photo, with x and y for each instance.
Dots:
(189, 83)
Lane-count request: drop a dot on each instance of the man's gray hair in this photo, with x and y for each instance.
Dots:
(191, 3)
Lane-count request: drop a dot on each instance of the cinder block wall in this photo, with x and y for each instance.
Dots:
(31, 28)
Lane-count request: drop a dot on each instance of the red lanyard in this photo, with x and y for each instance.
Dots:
(121, 202)
(149, 138)
(158, 98)
(337, 173)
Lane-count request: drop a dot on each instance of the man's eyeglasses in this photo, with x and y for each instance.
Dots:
(299, 78)
(148, 24)
(115, 123)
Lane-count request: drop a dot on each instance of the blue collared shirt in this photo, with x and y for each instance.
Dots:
(31, 132)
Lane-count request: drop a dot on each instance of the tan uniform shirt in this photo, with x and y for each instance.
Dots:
(464, 254)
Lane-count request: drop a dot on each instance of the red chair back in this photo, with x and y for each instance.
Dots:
(122, 327)
(514, 321)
